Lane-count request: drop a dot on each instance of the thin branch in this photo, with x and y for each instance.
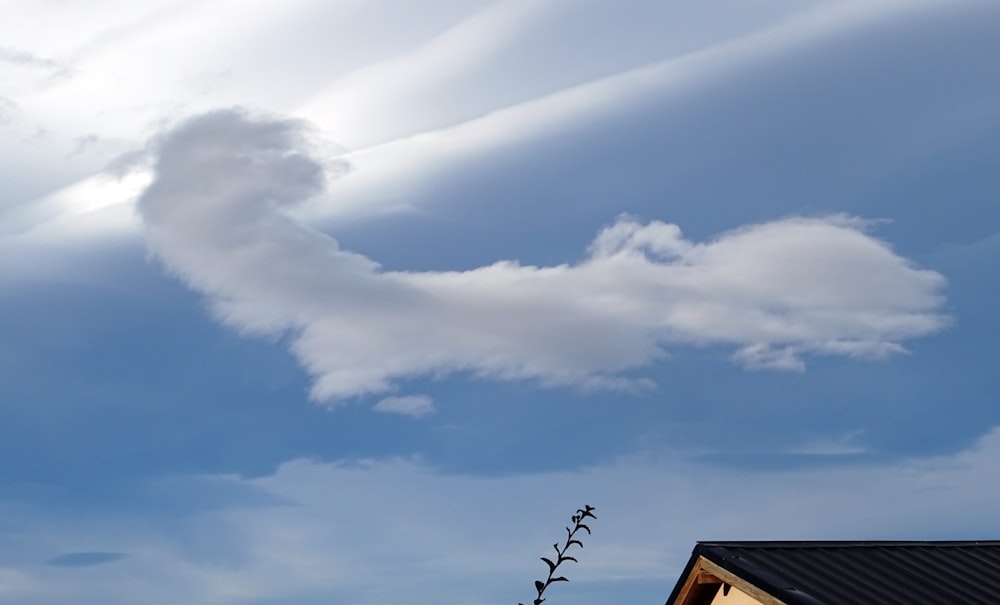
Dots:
(561, 557)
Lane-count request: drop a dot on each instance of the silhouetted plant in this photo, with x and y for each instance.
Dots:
(561, 556)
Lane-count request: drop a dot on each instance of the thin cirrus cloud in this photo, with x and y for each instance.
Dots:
(85, 559)
(217, 214)
(331, 548)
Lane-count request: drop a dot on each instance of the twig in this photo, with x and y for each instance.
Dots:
(561, 556)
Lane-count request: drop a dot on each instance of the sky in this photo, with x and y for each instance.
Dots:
(316, 301)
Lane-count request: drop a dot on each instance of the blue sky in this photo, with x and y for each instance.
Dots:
(311, 302)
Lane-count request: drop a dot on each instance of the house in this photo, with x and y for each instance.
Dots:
(840, 573)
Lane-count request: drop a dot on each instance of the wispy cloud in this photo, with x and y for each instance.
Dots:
(408, 405)
(7, 110)
(366, 532)
(418, 76)
(848, 444)
(85, 559)
(27, 59)
(217, 214)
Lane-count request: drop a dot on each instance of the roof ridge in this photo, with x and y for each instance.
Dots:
(846, 543)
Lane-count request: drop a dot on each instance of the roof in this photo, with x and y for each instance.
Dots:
(844, 573)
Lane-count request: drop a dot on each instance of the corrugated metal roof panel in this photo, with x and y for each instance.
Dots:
(863, 573)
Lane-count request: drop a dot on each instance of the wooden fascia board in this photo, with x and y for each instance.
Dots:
(704, 581)
(698, 588)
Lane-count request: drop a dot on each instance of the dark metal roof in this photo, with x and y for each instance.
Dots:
(862, 573)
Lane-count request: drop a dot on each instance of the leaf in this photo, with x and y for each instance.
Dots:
(584, 527)
(539, 586)
(539, 601)
(568, 558)
(552, 566)
(572, 542)
(560, 579)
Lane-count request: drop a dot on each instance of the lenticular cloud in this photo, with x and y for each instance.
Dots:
(216, 214)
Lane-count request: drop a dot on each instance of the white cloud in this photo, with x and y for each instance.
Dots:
(409, 67)
(368, 532)
(355, 105)
(217, 213)
(407, 405)
(99, 207)
(451, 134)
(442, 124)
